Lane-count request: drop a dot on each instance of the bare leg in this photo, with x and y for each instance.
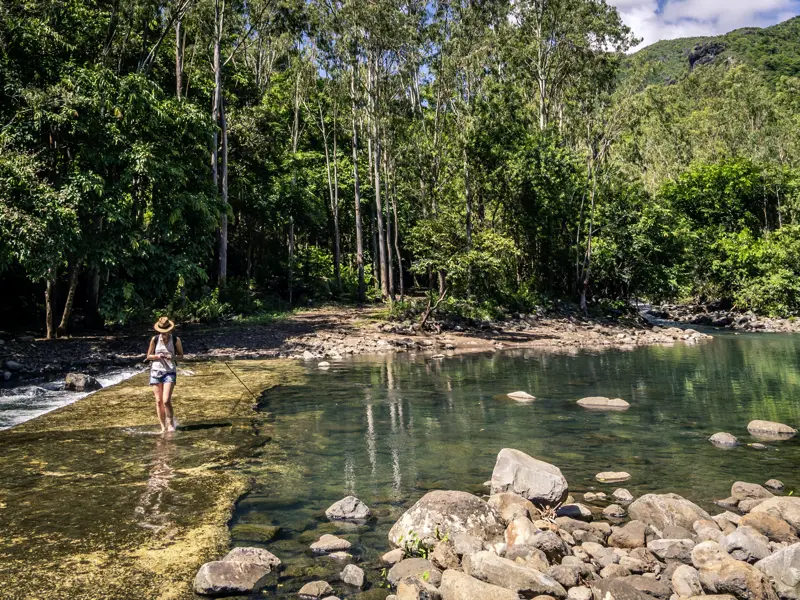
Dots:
(169, 417)
(158, 393)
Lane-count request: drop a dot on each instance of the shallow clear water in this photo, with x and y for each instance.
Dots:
(390, 429)
(25, 402)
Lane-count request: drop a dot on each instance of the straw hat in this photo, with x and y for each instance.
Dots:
(164, 325)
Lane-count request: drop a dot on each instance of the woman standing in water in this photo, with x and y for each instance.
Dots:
(162, 353)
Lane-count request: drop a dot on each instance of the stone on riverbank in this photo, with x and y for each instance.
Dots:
(746, 544)
(726, 440)
(745, 491)
(731, 576)
(413, 588)
(603, 403)
(521, 396)
(511, 506)
(686, 581)
(632, 535)
(783, 507)
(349, 508)
(662, 510)
(614, 589)
(622, 495)
(446, 514)
(775, 528)
(414, 567)
(80, 382)
(490, 568)
(536, 480)
(393, 556)
(783, 569)
(770, 430)
(614, 511)
(460, 586)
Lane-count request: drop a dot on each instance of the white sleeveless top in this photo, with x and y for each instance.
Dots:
(164, 365)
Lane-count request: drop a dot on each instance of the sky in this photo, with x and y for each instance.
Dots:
(655, 20)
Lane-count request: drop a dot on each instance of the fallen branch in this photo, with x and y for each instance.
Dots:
(430, 309)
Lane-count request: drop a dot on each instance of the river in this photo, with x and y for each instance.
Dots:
(390, 429)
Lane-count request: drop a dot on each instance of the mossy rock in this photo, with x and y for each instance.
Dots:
(255, 532)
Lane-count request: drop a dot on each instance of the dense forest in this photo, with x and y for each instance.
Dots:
(213, 158)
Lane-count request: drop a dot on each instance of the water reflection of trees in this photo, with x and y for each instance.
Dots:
(391, 429)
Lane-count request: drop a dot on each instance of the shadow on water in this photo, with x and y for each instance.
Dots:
(389, 429)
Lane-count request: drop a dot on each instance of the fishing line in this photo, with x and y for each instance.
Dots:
(240, 381)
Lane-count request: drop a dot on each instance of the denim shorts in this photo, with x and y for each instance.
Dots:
(156, 378)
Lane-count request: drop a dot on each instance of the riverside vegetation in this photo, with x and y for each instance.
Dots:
(215, 158)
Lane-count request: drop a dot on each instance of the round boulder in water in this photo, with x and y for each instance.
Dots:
(521, 396)
(348, 509)
(724, 440)
(774, 484)
(603, 403)
(80, 382)
(770, 430)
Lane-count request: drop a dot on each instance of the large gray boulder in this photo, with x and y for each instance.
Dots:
(229, 578)
(536, 480)
(528, 582)
(80, 382)
(783, 569)
(460, 586)
(440, 514)
(353, 575)
(348, 509)
(662, 510)
(632, 535)
(238, 573)
(783, 507)
(670, 550)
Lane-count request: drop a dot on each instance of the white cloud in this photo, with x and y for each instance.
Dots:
(689, 18)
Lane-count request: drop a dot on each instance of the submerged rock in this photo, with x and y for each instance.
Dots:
(521, 396)
(536, 480)
(257, 556)
(440, 514)
(315, 590)
(661, 510)
(328, 543)
(349, 508)
(603, 403)
(724, 439)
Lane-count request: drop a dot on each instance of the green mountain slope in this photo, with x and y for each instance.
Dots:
(775, 51)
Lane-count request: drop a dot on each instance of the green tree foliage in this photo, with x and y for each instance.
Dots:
(213, 158)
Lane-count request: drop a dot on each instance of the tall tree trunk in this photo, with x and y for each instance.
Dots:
(376, 147)
(356, 190)
(73, 285)
(468, 196)
(397, 237)
(94, 297)
(215, 111)
(376, 266)
(223, 222)
(291, 257)
(178, 60)
(295, 142)
(388, 217)
(49, 302)
(337, 252)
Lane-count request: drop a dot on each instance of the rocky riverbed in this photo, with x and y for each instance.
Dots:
(528, 537)
(712, 315)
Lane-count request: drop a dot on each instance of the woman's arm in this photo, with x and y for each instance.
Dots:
(178, 347)
(151, 350)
